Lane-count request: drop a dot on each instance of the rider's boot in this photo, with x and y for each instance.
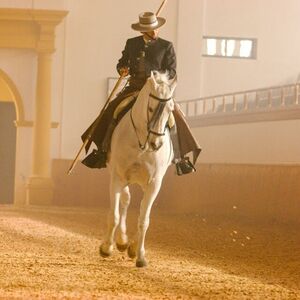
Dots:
(98, 158)
(183, 164)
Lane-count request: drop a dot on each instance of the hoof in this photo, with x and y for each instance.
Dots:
(131, 252)
(122, 248)
(103, 253)
(141, 263)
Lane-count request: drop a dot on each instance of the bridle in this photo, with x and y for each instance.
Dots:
(150, 123)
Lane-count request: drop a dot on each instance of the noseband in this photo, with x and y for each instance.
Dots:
(160, 99)
(156, 114)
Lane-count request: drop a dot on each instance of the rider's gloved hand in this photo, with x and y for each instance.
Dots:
(124, 71)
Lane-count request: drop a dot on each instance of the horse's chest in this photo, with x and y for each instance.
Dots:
(137, 172)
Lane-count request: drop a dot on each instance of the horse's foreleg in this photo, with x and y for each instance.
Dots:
(113, 217)
(150, 194)
(122, 238)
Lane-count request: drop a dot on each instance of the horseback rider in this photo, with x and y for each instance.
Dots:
(142, 54)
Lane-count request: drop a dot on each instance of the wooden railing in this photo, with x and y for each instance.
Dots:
(261, 100)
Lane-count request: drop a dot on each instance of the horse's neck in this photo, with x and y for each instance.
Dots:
(139, 112)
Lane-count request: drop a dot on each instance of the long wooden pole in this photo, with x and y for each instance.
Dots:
(161, 7)
(95, 125)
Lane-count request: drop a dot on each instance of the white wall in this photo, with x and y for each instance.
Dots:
(189, 46)
(274, 23)
(251, 143)
(20, 66)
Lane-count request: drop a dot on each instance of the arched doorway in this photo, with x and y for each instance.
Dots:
(8, 142)
(30, 29)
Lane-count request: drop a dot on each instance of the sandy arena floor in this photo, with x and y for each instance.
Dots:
(52, 253)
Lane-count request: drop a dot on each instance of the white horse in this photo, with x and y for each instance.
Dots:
(141, 151)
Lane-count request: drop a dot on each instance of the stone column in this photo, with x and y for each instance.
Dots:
(39, 189)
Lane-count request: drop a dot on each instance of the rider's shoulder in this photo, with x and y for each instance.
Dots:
(134, 39)
(164, 42)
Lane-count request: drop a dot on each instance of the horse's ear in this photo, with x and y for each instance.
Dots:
(173, 84)
(152, 76)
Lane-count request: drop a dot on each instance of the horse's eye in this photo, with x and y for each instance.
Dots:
(151, 109)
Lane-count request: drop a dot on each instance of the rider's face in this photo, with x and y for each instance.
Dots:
(153, 34)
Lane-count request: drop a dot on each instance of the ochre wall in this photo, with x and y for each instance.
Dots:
(264, 192)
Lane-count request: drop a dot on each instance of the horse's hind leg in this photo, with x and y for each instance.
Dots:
(150, 194)
(122, 238)
(116, 189)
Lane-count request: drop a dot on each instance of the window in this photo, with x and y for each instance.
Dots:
(229, 47)
(211, 45)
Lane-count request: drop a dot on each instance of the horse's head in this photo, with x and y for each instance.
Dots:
(160, 107)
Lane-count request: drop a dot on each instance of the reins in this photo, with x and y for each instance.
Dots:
(157, 113)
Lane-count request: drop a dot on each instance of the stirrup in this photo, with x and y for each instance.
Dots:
(97, 159)
(184, 166)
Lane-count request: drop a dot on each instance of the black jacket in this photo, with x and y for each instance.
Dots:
(159, 55)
